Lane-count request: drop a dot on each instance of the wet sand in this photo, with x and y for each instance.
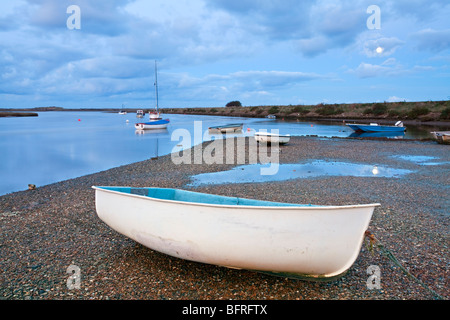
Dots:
(46, 230)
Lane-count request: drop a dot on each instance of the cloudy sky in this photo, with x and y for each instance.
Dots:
(210, 52)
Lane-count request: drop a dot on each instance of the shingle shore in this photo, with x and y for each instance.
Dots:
(44, 231)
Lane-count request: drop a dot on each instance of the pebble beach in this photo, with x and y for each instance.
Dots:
(46, 230)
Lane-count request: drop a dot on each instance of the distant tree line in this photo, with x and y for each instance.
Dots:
(234, 104)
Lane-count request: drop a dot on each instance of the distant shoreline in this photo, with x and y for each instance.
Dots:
(433, 113)
(412, 113)
(17, 114)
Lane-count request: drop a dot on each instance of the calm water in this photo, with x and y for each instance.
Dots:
(56, 146)
(251, 173)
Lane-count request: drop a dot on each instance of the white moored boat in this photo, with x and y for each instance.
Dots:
(235, 127)
(140, 113)
(291, 240)
(154, 124)
(155, 120)
(272, 137)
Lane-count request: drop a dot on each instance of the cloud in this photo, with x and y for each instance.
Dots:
(313, 27)
(241, 84)
(313, 46)
(100, 17)
(273, 19)
(367, 70)
(395, 99)
(274, 78)
(382, 47)
(209, 49)
(388, 68)
(333, 25)
(432, 40)
(420, 10)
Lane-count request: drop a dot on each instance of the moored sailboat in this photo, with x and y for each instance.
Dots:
(155, 120)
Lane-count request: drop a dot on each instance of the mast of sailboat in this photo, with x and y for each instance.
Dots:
(156, 87)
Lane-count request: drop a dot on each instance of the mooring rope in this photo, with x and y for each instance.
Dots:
(386, 252)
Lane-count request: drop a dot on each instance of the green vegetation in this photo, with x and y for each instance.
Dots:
(274, 110)
(325, 110)
(300, 110)
(417, 112)
(378, 109)
(234, 104)
(445, 114)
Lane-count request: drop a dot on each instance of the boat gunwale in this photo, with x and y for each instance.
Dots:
(227, 126)
(155, 122)
(373, 125)
(237, 206)
(270, 134)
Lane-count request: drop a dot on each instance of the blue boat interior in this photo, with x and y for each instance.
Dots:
(227, 126)
(196, 197)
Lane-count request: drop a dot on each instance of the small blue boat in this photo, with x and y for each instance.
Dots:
(375, 127)
(155, 124)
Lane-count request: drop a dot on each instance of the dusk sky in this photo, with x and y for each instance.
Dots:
(210, 52)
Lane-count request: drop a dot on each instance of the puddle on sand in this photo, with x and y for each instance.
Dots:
(421, 160)
(416, 159)
(252, 173)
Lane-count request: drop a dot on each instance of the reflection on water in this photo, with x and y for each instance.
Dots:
(421, 160)
(154, 132)
(417, 159)
(251, 173)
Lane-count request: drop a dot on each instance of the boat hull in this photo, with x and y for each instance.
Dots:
(157, 124)
(228, 128)
(272, 138)
(305, 242)
(442, 136)
(375, 128)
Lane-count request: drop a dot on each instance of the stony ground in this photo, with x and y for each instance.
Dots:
(45, 231)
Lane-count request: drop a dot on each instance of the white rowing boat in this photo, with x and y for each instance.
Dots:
(272, 137)
(291, 240)
(235, 127)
